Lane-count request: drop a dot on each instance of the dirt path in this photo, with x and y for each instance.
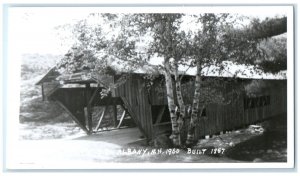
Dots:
(84, 154)
(95, 151)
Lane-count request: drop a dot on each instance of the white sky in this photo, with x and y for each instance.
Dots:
(31, 29)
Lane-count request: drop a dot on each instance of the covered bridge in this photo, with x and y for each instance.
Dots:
(148, 108)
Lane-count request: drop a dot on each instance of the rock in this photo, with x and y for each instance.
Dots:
(269, 151)
(255, 129)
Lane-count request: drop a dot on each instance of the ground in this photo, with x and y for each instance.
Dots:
(71, 147)
(50, 139)
(253, 144)
(118, 146)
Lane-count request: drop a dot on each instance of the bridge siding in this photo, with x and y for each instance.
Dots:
(218, 117)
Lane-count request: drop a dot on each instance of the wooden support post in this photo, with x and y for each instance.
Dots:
(115, 115)
(85, 117)
(90, 120)
(89, 113)
(100, 120)
(160, 114)
(122, 118)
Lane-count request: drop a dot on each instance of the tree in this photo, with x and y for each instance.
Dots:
(164, 28)
(203, 48)
(275, 50)
(208, 49)
(254, 44)
(92, 50)
(135, 38)
(267, 28)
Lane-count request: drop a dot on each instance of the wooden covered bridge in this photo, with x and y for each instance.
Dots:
(148, 108)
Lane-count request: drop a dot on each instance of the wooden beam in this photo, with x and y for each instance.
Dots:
(122, 118)
(160, 114)
(100, 120)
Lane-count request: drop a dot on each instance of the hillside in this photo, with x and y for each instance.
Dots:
(40, 119)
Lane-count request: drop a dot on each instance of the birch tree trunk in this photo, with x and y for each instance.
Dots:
(195, 107)
(171, 103)
(179, 98)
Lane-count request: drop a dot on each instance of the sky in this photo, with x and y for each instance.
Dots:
(32, 29)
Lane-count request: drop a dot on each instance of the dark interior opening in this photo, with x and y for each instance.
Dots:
(254, 102)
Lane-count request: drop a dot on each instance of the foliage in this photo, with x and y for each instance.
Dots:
(130, 41)
(267, 28)
(77, 60)
(252, 44)
(276, 55)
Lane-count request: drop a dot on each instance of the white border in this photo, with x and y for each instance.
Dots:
(13, 101)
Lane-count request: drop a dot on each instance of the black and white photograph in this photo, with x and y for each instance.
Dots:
(150, 87)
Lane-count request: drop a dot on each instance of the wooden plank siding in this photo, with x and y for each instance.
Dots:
(235, 116)
(218, 117)
(134, 91)
(232, 116)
